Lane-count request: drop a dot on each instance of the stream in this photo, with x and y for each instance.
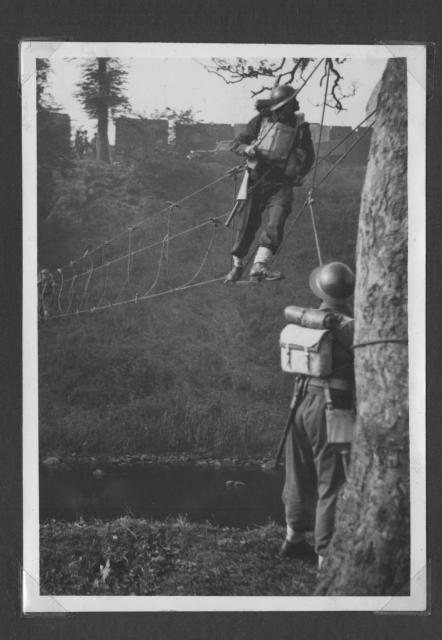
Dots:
(234, 496)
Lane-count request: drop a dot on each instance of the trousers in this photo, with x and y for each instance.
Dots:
(274, 200)
(314, 471)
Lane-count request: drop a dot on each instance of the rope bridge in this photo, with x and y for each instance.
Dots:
(96, 280)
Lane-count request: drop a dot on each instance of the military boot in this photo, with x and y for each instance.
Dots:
(234, 274)
(260, 271)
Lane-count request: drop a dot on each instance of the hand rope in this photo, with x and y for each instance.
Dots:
(310, 198)
(300, 211)
(155, 282)
(86, 286)
(155, 244)
(130, 229)
(137, 298)
(191, 195)
(200, 268)
(227, 174)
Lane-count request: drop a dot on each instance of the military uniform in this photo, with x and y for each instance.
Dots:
(273, 195)
(314, 468)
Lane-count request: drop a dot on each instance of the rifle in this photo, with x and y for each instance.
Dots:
(222, 145)
(294, 404)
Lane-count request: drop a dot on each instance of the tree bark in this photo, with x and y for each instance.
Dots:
(103, 113)
(369, 554)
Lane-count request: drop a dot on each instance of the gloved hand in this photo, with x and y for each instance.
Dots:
(250, 151)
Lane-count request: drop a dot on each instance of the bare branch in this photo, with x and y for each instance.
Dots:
(286, 71)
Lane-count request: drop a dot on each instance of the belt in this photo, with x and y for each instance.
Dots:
(338, 384)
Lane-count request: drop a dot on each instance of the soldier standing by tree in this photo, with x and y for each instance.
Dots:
(319, 439)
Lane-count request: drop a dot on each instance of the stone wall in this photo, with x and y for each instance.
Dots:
(133, 133)
(53, 133)
(201, 136)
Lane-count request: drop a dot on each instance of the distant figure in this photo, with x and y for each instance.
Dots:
(79, 143)
(318, 444)
(46, 287)
(85, 141)
(280, 153)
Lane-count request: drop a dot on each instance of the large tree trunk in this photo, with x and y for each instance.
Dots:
(103, 113)
(369, 554)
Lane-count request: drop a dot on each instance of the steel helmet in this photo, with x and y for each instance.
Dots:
(332, 282)
(282, 95)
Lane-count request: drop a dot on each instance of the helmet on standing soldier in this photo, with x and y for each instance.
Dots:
(332, 282)
(281, 95)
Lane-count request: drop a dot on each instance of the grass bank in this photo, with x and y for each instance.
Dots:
(194, 370)
(176, 557)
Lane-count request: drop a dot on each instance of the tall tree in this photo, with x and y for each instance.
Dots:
(101, 93)
(44, 98)
(370, 551)
(53, 140)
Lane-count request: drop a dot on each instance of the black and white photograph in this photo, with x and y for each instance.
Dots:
(223, 327)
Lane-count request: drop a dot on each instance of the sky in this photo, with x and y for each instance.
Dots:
(182, 83)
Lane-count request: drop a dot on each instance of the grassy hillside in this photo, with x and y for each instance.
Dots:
(196, 370)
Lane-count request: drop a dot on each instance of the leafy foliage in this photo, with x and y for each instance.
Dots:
(44, 99)
(53, 141)
(101, 92)
(102, 86)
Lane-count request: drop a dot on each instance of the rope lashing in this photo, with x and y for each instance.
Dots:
(368, 343)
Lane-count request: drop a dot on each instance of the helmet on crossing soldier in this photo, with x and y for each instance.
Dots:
(281, 95)
(332, 282)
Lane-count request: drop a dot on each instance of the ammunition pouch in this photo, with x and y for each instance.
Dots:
(340, 422)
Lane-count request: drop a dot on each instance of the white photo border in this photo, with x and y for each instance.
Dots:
(33, 602)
